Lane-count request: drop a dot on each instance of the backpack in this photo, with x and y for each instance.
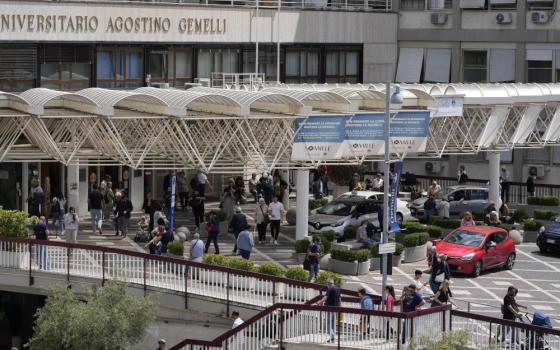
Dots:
(194, 182)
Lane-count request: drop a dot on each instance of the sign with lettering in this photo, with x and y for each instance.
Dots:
(318, 137)
(449, 106)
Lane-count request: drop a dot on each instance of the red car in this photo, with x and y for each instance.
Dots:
(472, 249)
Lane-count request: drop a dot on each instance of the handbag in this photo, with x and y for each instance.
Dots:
(266, 218)
(307, 264)
(440, 277)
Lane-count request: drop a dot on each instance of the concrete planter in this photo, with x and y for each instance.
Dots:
(363, 267)
(343, 267)
(414, 254)
(397, 260)
(530, 236)
(300, 257)
(375, 264)
(325, 262)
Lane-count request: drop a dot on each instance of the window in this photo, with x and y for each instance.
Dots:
(437, 66)
(267, 61)
(503, 4)
(120, 68)
(475, 66)
(413, 5)
(342, 66)
(216, 61)
(479, 195)
(66, 67)
(539, 71)
(302, 66)
(173, 66)
(18, 67)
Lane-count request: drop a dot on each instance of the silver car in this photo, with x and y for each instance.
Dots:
(461, 198)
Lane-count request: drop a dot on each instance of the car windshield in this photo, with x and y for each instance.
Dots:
(468, 238)
(336, 208)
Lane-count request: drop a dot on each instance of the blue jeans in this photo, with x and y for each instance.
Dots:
(365, 242)
(245, 254)
(313, 271)
(255, 194)
(331, 324)
(58, 221)
(95, 217)
(42, 257)
(434, 286)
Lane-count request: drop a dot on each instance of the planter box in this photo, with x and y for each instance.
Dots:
(325, 262)
(530, 236)
(375, 264)
(343, 267)
(300, 257)
(363, 267)
(414, 254)
(397, 260)
(16, 260)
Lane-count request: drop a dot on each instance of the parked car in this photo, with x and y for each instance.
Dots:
(350, 209)
(461, 199)
(472, 249)
(549, 236)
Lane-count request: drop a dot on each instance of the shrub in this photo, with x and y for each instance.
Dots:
(519, 215)
(301, 246)
(323, 276)
(532, 225)
(434, 231)
(413, 227)
(215, 259)
(270, 268)
(544, 215)
(544, 200)
(13, 223)
(479, 216)
(444, 223)
(350, 232)
(506, 227)
(241, 264)
(298, 274)
(455, 340)
(317, 203)
(416, 239)
(374, 251)
(328, 235)
(349, 255)
(325, 246)
(176, 248)
(398, 249)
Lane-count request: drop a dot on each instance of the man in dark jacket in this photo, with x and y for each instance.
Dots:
(238, 224)
(213, 228)
(122, 213)
(430, 207)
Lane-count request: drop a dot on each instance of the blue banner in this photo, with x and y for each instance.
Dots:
(172, 209)
(395, 176)
(318, 137)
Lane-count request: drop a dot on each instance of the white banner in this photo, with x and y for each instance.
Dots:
(449, 106)
(318, 137)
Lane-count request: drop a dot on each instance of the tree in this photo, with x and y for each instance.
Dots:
(110, 318)
(455, 340)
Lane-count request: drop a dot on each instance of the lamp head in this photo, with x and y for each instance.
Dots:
(396, 97)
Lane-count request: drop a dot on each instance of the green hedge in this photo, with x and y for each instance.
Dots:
(413, 227)
(176, 248)
(506, 227)
(13, 223)
(519, 215)
(298, 274)
(532, 225)
(444, 223)
(317, 203)
(215, 259)
(350, 232)
(416, 239)
(544, 200)
(270, 268)
(301, 246)
(323, 276)
(327, 235)
(399, 248)
(544, 215)
(239, 263)
(479, 216)
(434, 231)
(349, 255)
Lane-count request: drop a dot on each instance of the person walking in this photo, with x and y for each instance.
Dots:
(261, 219)
(506, 179)
(183, 189)
(363, 237)
(253, 187)
(202, 182)
(238, 223)
(71, 224)
(443, 295)
(213, 229)
(196, 249)
(228, 204)
(462, 177)
(411, 301)
(510, 312)
(318, 189)
(313, 257)
(197, 204)
(434, 270)
(109, 200)
(161, 345)
(239, 339)
(331, 298)
(58, 213)
(41, 233)
(430, 208)
(389, 307)
(531, 185)
(36, 198)
(122, 211)
(467, 219)
(366, 303)
(276, 212)
(95, 201)
(245, 242)
(266, 187)
(149, 209)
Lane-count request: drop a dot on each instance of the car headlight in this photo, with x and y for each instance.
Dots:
(541, 230)
(336, 224)
(467, 257)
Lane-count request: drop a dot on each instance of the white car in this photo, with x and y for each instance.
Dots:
(350, 209)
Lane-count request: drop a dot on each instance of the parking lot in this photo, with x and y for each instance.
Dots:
(536, 275)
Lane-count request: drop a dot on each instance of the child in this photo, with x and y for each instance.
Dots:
(418, 283)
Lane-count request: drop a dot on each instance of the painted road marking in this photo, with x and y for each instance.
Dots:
(502, 283)
(476, 284)
(104, 243)
(524, 295)
(533, 285)
(556, 285)
(542, 307)
(538, 260)
(461, 292)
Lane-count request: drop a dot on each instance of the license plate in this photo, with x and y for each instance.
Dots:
(551, 241)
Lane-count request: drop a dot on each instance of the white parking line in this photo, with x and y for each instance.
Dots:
(502, 283)
(538, 260)
(533, 285)
(476, 284)
(524, 295)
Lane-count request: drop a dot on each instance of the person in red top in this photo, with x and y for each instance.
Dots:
(155, 244)
(389, 307)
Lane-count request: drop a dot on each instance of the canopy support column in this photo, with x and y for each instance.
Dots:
(24, 186)
(73, 190)
(494, 176)
(302, 203)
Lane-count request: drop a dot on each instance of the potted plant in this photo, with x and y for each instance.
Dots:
(295, 292)
(301, 249)
(415, 246)
(323, 276)
(349, 262)
(531, 230)
(209, 276)
(265, 286)
(375, 262)
(241, 282)
(397, 255)
(176, 249)
(350, 233)
(15, 223)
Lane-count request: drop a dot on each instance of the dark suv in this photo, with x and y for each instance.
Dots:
(461, 198)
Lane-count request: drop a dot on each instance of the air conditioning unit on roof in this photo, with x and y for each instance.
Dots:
(504, 18)
(540, 16)
(536, 169)
(433, 167)
(438, 18)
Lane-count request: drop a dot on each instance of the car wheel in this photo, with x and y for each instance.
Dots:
(399, 218)
(543, 249)
(477, 269)
(509, 262)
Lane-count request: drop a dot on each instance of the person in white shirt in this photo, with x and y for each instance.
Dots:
(434, 189)
(276, 212)
(202, 180)
(420, 286)
(239, 340)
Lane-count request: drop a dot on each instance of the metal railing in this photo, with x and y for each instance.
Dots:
(504, 334)
(312, 324)
(153, 271)
(347, 5)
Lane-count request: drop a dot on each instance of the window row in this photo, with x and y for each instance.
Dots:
(422, 5)
(74, 67)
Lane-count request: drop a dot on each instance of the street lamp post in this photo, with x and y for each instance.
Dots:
(396, 99)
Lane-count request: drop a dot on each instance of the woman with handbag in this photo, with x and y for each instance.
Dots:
(313, 257)
(262, 219)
